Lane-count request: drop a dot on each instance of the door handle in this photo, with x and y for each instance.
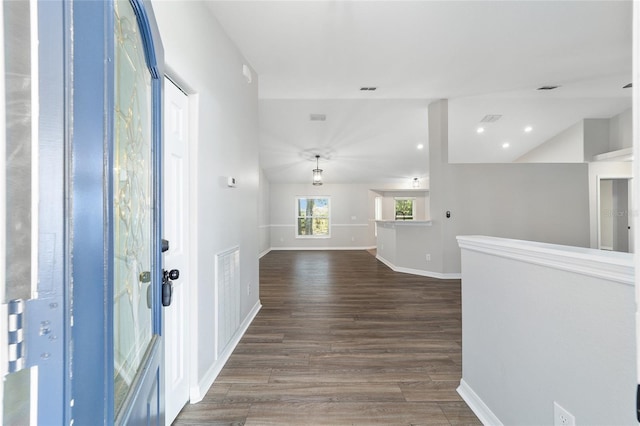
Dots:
(167, 285)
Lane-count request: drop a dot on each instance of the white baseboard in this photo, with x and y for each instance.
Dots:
(321, 248)
(477, 405)
(198, 392)
(261, 255)
(423, 273)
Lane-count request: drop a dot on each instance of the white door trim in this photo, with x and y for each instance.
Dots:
(191, 289)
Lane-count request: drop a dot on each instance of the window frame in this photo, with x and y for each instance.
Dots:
(413, 207)
(297, 217)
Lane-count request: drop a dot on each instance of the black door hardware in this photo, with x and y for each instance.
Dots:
(167, 285)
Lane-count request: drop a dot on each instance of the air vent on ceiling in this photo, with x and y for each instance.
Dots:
(491, 118)
(628, 86)
(317, 117)
(368, 88)
(548, 87)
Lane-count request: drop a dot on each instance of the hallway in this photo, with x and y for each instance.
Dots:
(342, 339)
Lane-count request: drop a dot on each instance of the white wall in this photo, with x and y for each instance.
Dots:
(580, 142)
(201, 56)
(621, 131)
(352, 212)
(596, 137)
(540, 326)
(606, 220)
(264, 215)
(565, 147)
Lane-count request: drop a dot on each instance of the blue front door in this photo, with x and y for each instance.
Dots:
(115, 205)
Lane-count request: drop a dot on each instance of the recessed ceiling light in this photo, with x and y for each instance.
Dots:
(480, 130)
(368, 88)
(548, 87)
(627, 86)
(528, 129)
(420, 146)
(505, 145)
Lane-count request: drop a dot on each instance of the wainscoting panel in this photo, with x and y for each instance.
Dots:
(227, 289)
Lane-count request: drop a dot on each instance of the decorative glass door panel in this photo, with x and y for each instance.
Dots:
(133, 202)
(16, 251)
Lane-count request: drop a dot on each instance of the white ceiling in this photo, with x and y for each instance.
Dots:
(486, 57)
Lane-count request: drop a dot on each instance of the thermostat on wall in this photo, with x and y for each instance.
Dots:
(231, 181)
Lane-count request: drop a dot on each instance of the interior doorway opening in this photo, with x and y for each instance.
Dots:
(614, 215)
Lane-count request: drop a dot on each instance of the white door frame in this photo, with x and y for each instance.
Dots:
(636, 170)
(192, 273)
(630, 213)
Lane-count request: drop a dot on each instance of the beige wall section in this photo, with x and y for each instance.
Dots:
(226, 144)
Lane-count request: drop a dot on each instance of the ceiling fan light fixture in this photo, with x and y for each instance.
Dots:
(317, 173)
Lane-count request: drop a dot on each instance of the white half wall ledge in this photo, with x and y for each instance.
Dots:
(479, 408)
(608, 265)
(420, 272)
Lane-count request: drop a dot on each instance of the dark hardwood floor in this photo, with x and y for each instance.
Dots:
(342, 340)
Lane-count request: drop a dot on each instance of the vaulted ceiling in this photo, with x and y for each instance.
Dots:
(486, 57)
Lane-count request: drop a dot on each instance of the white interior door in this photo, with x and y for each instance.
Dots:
(176, 216)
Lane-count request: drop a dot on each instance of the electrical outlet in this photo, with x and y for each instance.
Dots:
(428, 257)
(561, 417)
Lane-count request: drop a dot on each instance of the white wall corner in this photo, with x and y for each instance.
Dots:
(477, 405)
(264, 253)
(420, 272)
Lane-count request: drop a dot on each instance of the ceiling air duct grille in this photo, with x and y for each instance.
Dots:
(491, 118)
(317, 117)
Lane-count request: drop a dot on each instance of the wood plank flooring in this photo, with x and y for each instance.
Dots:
(342, 340)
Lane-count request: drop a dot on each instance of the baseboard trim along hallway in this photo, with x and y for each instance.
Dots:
(341, 339)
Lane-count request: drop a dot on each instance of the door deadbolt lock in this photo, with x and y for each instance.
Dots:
(167, 285)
